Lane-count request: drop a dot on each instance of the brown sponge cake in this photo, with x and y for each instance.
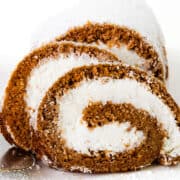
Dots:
(32, 78)
(81, 109)
(107, 118)
(126, 43)
(126, 28)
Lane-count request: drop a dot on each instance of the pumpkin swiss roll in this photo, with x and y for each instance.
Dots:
(79, 108)
(107, 118)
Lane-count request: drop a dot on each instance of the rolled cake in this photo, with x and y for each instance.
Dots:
(107, 118)
(78, 107)
(126, 28)
(75, 105)
(33, 77)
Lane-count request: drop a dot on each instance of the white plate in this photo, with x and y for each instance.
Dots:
(45, 173)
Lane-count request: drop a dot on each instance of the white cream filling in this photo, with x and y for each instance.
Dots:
(112, 137)
(48, 71)
(45, 74)
(126, 56)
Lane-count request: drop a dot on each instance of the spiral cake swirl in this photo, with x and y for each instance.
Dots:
(107, 118)
(82, 109)
(94, 99)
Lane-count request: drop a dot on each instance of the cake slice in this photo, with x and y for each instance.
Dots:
(34, 75)
(80, 108)
(127, 28)
(107, 118)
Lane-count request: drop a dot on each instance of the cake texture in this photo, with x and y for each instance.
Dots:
(32, 78)
(94, 99)
(107, 118)
(127, 28)
(79, 108)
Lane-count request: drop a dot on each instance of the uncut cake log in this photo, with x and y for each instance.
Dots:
(127, 28)
(33, 76)
(107, 118)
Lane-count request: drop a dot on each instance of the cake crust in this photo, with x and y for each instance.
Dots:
(50, 143)
(115, 36)
(14, 112)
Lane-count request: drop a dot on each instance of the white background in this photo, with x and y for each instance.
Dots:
(20, 18)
